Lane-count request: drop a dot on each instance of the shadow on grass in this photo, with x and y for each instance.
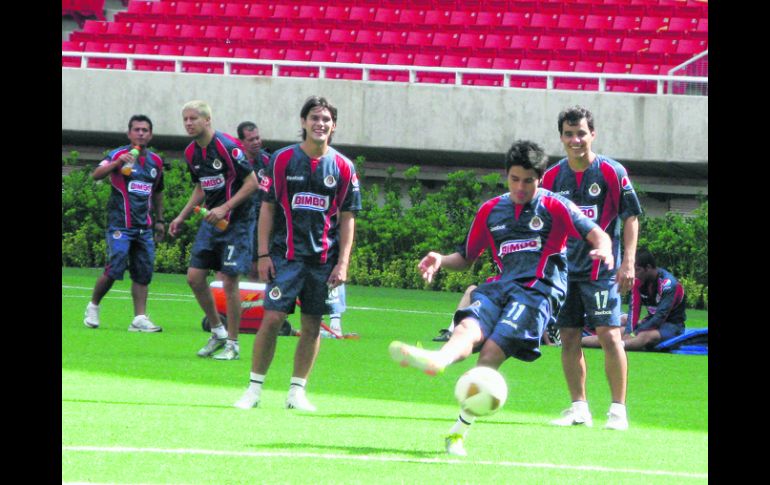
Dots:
(350, 450)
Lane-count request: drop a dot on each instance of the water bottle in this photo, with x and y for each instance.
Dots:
(221, 225)
(128, 167)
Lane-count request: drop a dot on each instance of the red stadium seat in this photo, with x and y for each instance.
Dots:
(292, 34)
(93, 46)
(691, 46)
(608, 44)
(616, 67)
(449, 60)
(95, 27)
(203, 68)
(516, 19)
(533, 65)
(411, 17)
(242, 33)
(142, 30)
(337, 13)
(390, 76)
(480, 62)
(647, 69)
(261, 11)
(312, 12)
(167, 32)
(298, 54)
(163, 10)
(285, 11)
(552, 42)
(267, 33)
(489, 20)
(246, 53)
(561, 65)
(140, 8)
(437, 17)
(369, 37)
(544, 21)
(274, 54)
(626, 23)
(340, 73)
(654, 24)
(251, 70)
(497, 41)
(193, 50)
(343, 36)
(235, 11)
(118, 30)
(217, 33)
(482, 80)
(69, 45)
(471, 40)
(524, 41)
(445, 39)
(106, 63)
(362, 14)
(435, 78)
(580, 43)
(572, 22)
(419, 38)
(506, 63)
(187, 10)
(150, 49)
(296, 71)
(318, 35)
(401, 58)
(221, 51)
(430, 60)
(122, 48)
(171, 50)
(374, 58)
(386, 16)
(212, 9)
(349, 57)
(663, 46)
(193, 32)
(683, 24)
(323, 56)
(634, 44)
(703, 25)
(598, 24)
(462, 18)
(589, 66)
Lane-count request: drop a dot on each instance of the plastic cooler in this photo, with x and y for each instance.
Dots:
(252, 297)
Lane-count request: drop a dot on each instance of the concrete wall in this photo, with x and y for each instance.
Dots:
(419, 117)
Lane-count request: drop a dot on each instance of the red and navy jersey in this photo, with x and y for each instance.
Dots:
(528, 242)
(309, 195)
(220, 168)
(130, 202)
(665, 301)
(604, 193)
(259, 164)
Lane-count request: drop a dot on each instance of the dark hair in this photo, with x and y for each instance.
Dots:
(246, 125)
(528, 155)
(314, 102)
(644, 258)
(573, 115)
(139, 118)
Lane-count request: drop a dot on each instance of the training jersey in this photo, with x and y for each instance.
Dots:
(130, 202)
(529, 241)
(259, 164)
(309, 194)
(664, 298)
(220, 168)
(603, 193)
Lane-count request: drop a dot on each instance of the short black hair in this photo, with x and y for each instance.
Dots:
(139, 118)
(573, 115)
(644, 258)
(314, 102)
(528, 155)
(246, 125)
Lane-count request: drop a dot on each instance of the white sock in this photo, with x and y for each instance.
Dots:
(463, 423)
(255, 382)
(219, 332)
(296, 384)
(451, 326)
(233, 341)
(335, 322)
(580, 406)
(92, 305)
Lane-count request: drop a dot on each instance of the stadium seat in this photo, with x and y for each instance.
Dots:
(524, 41)
(544, 21)
(217, 33)
(340, 73)
(431, 60)
(634, 44)
(589, 66)
(107, 63)
(187, 10)
(122, 47)
(506, 63)
(445, 39)
(272, 53)
(292, 34)
(703, 25)
(608, 44)
(193, 32)
(323, 56)
(411, 17)
(212, 9)
(234, 11)
(251, 70)
(663, 46)
(552, 42)
(471, 40)
(390, 76)
(286, 11)
(419, 38)
(480, 62)
(616, 67)
(95, 27)
(598, 24)
(449, 60)
(647, 69)
(349, 57)
(435, 77)
(362, 14)
(94, 46)
(221, 51)
(482, 80)
(462, 18)
(654, 24)
(140, 8)
(561, 65)
(69, 45)
(296, 71)
(261, 11)
(528, 82)
(196, 50)
(691, 46)
(163, 10)
(149, 49)
(298, 54)
(140, 31)
(516, 19)
(369, 38)
(489, 20)
(312, 12)
(202, 68)
(580, 43)
(571, 22)
(497, 41)
(337, 14)
(437, 17)
(171, 50)
(683, 24)
(626, 23)
(118, 30)
(369, 57)
(167, 32)
(401, 58)
(267, 33)
(386, 16)
(317, 35)
(343, 36)
(394, 37)
(533, 65)
(242, 33)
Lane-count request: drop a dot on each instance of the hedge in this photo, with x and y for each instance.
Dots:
(391, 236)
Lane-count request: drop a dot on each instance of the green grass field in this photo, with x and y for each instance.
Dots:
(143, 408)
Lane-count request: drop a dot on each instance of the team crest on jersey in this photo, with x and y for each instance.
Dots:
(275, 293)
(625, 182)
(330, 181)
(137, 187)
(536, 223)
(517, 245)
(212, 183)
(264, 183)
(217, 163)
(306, 200)
(594, 189)
(153, 173)
(237, 153)
(116, 235)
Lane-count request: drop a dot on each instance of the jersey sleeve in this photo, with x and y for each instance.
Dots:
(629, 201)
(266, 182)
(352, 200)
(479, 238)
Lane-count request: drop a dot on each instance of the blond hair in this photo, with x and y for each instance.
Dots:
(201, 107)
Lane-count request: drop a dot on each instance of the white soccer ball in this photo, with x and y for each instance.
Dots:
(481, 391)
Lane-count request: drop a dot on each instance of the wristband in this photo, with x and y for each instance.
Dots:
(263, 256)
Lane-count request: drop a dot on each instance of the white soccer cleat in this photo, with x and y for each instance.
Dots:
(92, 316)
(297, 399)
(231, 352)
(211, 346)
(574, 416)
(454, 445)
(411, 356)
(250, 399)
(143, 324)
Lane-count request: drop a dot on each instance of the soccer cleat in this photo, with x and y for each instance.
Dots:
(92, 316)
(231, 352)
(443, 335)
(250, 399)
(573, 417)
(408, 355)
(325, 334)
(616, 421)
(211, 346)
(454, 445)
(297, 399)
(143, 324)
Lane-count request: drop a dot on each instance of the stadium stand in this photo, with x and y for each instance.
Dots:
(591, 36)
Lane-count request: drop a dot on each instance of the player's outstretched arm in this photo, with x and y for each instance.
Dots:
(602, 247)
(196, 198)
(433, 261)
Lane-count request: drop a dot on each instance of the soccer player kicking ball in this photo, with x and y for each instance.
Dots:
(306, 225)
(526, 230)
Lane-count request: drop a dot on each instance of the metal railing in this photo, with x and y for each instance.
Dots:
(664, 84)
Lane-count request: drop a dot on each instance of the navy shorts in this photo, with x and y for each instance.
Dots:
(298, 279)
(133, 249)
(513, 316)
(590, 303)
(336, 300)
(228, 251)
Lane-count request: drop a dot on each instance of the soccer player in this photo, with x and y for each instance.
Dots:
(224, 181)
(665, 299)
(306, 228)
(130, 228)
(526, 230)
(248, 134)
(601, 188)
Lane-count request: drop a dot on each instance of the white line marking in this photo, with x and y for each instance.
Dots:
(153, 296)
(330, 456)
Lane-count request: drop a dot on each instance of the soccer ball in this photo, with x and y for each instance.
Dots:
(481, 391)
